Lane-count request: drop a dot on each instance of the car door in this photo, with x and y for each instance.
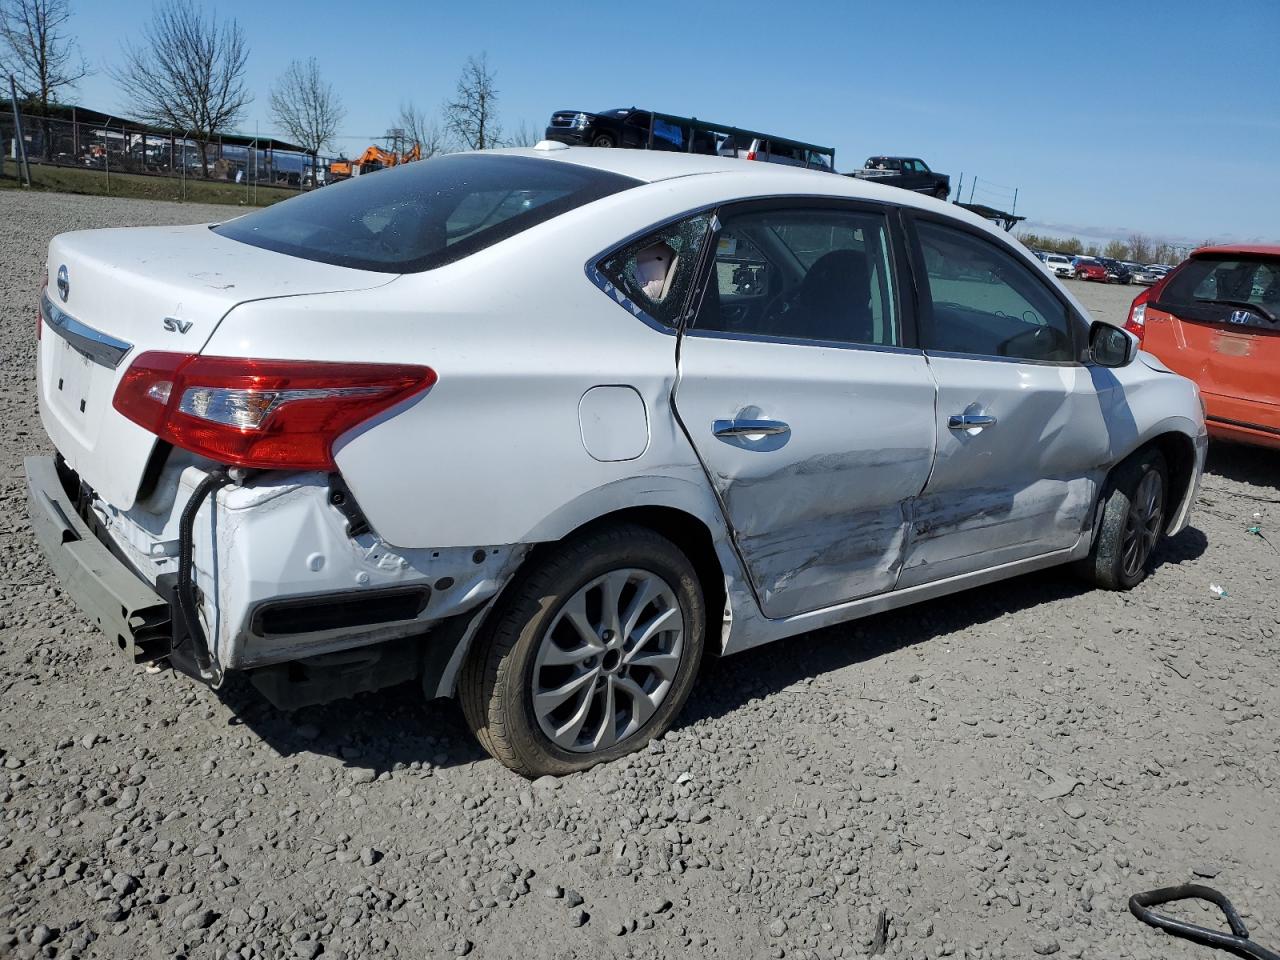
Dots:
(807, 403)
(1021, 433)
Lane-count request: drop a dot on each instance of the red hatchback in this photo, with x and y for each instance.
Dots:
(1216, 320)
(1090, 270)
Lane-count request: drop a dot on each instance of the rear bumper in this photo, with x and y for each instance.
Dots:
(125, 607)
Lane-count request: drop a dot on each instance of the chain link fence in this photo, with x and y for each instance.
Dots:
(121, 146)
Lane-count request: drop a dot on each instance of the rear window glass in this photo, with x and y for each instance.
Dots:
(423, 215)
(1212, 290)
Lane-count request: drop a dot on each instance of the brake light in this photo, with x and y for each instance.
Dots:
(268, 414)
(1137, 321)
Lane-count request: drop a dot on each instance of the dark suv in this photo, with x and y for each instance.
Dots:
(1117, 272)
(625, 127)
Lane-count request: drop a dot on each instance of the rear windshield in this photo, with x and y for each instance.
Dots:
(425, 214)
(1215, 290)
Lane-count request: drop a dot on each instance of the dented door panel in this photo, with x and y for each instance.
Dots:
(1019, 487)
(820, 514)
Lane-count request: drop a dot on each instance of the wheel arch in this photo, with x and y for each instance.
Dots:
(672, 516)
(1182, 457)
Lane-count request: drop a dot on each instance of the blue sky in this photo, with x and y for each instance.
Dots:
(1108, 117)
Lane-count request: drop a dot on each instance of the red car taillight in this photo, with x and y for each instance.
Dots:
(268, 414)
(1137, 321)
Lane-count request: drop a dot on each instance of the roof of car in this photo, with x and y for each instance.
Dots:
(1242, 249)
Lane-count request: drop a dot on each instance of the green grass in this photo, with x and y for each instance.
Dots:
(73, 180)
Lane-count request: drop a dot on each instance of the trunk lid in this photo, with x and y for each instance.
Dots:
(114, 294)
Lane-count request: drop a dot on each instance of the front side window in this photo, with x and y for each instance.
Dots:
(423, 215)
(655, 273)
(986, 302)
(803, 274)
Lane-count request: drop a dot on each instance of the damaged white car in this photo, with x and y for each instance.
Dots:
(540, 429)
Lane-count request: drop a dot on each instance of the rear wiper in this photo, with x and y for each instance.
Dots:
(1246, 304)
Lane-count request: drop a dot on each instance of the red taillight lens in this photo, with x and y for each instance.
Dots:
(269, 414)
(1137, 321)
(751, 154)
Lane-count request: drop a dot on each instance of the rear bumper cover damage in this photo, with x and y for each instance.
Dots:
(280, 578)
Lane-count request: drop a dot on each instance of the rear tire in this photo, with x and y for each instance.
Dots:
(941, 193)
(1134, 507)
(615, 618)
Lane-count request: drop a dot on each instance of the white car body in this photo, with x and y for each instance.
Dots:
(554, 410)
(1059, 265)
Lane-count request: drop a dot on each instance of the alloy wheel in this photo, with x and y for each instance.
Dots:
(1143, 524)
(608, 660)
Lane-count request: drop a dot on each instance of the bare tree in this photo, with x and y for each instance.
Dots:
(188, 74)
(1116, 250)
(421, 129)
(524, 136)
(472, 116)
(36, 52)
(305, 104)
(1140, 247)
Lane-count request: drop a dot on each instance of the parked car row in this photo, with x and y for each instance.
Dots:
(1100, 269)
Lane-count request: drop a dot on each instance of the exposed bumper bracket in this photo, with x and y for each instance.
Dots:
(124, 606)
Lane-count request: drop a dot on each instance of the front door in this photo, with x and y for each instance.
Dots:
(812, 418)
(1021, 434)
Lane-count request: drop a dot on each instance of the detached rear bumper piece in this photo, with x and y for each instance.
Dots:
(125, 607)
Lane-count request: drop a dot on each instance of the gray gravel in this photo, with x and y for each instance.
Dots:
(992, 774)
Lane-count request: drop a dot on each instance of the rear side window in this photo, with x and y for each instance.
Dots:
(655, 273)
(987, 302)
(423, 215)
(1216, 291)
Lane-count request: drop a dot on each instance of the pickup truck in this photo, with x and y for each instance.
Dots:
(909, 173)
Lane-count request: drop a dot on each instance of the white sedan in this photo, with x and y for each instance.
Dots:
(539, 428)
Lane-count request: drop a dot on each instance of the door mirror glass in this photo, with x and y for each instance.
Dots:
(1110, 346)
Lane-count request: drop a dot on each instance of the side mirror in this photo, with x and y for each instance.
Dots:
(1111, 346)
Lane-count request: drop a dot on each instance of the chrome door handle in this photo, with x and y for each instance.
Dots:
(968, 421)
(744, 428)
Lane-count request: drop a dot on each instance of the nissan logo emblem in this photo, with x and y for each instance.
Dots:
(64, 283)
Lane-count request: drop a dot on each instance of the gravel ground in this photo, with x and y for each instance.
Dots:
(992, 774)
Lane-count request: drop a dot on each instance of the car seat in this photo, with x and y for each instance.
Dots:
(833, 301)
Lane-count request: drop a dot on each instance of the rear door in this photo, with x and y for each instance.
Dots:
(1221, 331)
(1020, 425)
(805, 399)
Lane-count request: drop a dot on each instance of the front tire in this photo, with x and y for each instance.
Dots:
(604, 140)
(591, 653)
(1134, 507)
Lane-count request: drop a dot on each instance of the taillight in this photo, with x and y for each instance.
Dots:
(751, 154)
(269, 414)
(1137, 322)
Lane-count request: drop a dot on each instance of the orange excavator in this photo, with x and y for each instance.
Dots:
(375, 158)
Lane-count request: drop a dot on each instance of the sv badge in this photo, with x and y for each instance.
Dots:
(174, 325)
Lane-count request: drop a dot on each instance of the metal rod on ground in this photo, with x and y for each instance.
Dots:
(21, 157)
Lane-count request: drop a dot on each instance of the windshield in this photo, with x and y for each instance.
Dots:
(423, 215)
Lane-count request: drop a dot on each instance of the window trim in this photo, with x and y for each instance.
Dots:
(1077, 325)
(904, 298)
